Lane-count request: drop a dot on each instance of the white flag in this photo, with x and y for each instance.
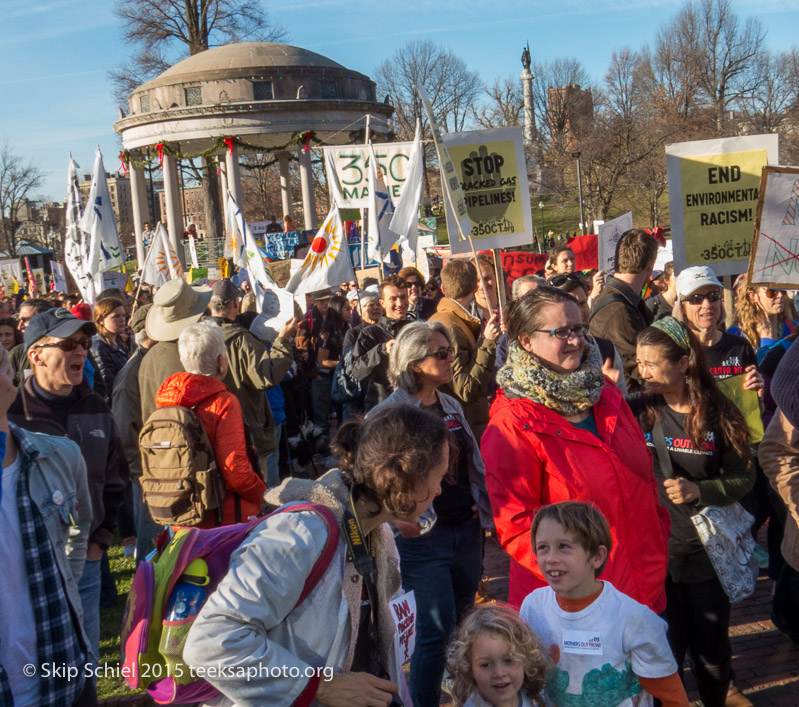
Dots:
(105, 251)
(406, 216)
(380, 237)
(76, 242)
(328, 261)
(162, 263)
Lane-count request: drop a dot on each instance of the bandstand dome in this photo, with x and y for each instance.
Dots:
(263, 92)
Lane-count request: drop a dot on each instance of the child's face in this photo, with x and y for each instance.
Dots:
(565, 564)
(496, 673)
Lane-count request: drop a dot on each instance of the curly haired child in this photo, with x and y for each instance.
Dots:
(496, 660)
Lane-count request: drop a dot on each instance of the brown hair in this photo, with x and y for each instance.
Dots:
(635, 251)
(584, 521)
(556, 251)
(523, 645)
(385, 458)
(392, 280)
(709, 406)
(523, 316)
(410, 270)
(102, 309)
(459, 279)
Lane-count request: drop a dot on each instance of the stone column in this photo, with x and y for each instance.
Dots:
(529, 124)
(174, 208)
(234, 174)
(285, 183)
(306, 181)
(138, 198)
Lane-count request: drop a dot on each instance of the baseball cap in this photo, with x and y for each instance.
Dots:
(59, 323)
(226, 290)
(691, 279)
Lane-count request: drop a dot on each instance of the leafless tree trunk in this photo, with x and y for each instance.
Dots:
(17, 182)
(505, 104)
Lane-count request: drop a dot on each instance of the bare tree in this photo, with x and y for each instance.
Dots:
(504, 106)
(18, 180)
(163, 32)
(768, 109)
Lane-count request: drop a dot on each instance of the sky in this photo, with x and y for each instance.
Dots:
(55, 55)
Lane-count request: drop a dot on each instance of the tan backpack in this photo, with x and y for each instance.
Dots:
(180, 479)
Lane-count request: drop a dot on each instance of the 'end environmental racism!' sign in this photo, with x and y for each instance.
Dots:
(713, 192)
(493, 174)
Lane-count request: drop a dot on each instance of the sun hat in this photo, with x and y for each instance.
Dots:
(176, 305)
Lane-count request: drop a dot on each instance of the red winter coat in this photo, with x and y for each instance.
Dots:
(534, 457)
(220, 412)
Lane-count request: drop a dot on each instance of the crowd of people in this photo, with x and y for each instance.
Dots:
(586, 425)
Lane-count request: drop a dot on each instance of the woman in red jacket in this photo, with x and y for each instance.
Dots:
(560, 431)
(202, 352)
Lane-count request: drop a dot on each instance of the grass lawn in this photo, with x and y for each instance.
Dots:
(111, 624)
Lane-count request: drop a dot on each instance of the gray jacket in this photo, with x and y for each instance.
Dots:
(477, 470)
(55, 464)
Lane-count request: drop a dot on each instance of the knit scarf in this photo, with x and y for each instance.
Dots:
(525, 376)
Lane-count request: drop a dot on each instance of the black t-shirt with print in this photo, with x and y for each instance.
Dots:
(729, 357)
(686, 461)
(454, 504)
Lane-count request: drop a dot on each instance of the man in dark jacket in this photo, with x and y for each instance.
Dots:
(372, 349)
(619, 314)
(58, 401)
(251, 367)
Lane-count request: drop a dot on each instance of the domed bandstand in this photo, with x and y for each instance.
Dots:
(250, 97)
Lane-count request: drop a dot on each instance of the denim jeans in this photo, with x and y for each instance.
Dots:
(273, 460)
(443, 569)
(322, 402)
(89, 591)
(147, 530)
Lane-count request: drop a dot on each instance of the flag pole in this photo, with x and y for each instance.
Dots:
(141, 281)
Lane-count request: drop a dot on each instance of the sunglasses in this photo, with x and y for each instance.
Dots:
(564, 332)
(697, 299)
(441, 354)
(563, 278)
(772, 293)
(68, 345)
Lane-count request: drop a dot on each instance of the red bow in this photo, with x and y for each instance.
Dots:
(306, 138)
(160, 148)
(657, 234)
(229, 143)
(123, 163)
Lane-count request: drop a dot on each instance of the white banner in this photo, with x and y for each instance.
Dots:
(608, 237)
(347, 169)
(10, 269)
(492, 170)
(59, 277)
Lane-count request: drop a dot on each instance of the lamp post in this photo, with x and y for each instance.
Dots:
(541, 206)
(576, 155)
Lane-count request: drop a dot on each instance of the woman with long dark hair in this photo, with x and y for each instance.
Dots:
(704, 460)
(329, 348)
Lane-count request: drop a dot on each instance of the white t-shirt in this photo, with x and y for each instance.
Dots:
(599, 652)
(17, 625)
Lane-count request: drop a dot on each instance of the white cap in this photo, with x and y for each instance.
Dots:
(352, 295)
(691, 279)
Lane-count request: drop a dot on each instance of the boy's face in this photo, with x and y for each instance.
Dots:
(565, 564)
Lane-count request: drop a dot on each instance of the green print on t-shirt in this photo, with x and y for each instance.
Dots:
(601, 688)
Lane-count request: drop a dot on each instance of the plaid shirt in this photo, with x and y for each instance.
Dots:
(57, 641)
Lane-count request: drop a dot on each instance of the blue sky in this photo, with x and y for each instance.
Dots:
(55, 95)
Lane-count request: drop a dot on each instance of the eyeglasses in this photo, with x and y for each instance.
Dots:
(565, 332)
(68, 345)
(412, 283)
(772, 293)
(441, 354)
(563, 278)
(697, 298)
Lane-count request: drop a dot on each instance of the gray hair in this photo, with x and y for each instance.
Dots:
(519, 281)
(200, 345)
(410, 346)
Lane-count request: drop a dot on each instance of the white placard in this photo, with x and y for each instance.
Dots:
(608, 237)
(276, 309)
(403, 611)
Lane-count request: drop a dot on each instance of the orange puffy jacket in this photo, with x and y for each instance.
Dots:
(534, 457)
(220, 412)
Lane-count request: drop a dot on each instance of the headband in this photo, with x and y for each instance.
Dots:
(675, 330)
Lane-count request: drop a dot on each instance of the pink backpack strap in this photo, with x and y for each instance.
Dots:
(328, 551)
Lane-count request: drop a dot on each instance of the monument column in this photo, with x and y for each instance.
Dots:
(233, 174)
(285, 183)
(527, 87)
(174, 209)
(138, 198)
(306, 181)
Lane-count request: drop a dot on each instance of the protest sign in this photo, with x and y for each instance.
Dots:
(608, 238)
(491, 167)
(114, 278)
(775, 251)
(9, 270)
(747, 401)
(347, 169)
(277, 308)
(713, 195)
(38, 274)
(280, 271)
(403, 611)
(516, 263)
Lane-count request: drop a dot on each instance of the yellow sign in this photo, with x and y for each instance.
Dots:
(719, 202)
(492, 171)
(747, 401)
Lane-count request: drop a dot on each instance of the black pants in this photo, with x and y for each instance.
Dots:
(699, 620)
(785, 609)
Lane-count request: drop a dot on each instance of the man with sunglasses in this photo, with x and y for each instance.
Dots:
(57, 400)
